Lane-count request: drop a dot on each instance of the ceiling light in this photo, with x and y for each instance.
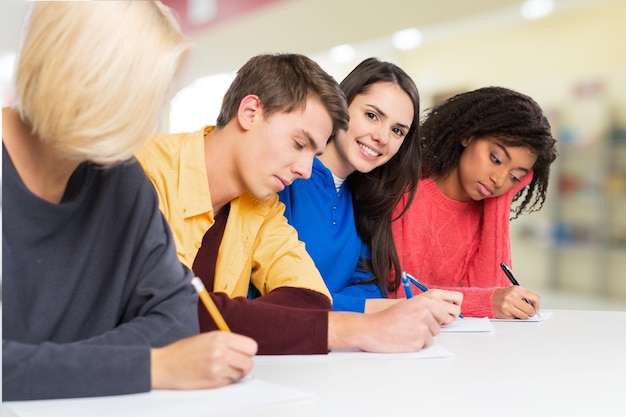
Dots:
(342, 53)
(536, 9)
(407, 39)
(200, 12)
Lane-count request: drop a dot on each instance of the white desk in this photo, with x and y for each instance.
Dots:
(572, 364)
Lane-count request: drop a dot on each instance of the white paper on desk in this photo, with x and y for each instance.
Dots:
(432, 352)
(468, 325)
(249, 393)
(541, 316)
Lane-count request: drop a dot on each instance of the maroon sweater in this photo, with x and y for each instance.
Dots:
(288, 320)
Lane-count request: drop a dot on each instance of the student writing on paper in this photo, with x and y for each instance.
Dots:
(354, 187)
(95, 300)
(483, 150)
(217, 188)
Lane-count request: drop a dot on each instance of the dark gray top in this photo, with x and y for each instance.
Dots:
(89, 285)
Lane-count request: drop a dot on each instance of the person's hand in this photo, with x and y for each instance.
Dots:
(207, 360)
(510, 303)
(406, 326)
(454, 298)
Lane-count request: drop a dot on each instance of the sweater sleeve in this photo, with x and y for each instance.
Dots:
(485, 274)
(54, 370)
(298, 317)
(354, 297)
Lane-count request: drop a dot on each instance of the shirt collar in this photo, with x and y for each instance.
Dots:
(193, 189)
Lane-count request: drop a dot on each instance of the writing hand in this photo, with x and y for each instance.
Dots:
(451, 298)
(515, 302)
(207, 360)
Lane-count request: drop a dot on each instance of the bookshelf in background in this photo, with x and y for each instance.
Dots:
(577, 243)
(588, 239)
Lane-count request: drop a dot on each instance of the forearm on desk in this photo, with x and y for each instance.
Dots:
(286, 321)
(346, 330)
(53, 370)
(476, 301)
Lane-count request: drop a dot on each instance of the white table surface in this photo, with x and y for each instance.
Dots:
(572, 364)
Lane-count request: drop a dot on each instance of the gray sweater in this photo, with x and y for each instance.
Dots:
(89, 285)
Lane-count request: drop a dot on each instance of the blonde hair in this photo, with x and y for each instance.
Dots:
(93, 77)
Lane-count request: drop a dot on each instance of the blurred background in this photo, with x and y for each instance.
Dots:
(570, 55)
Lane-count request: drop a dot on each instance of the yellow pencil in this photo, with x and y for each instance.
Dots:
(214, 312)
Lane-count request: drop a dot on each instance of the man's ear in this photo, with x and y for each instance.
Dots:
(249, 110)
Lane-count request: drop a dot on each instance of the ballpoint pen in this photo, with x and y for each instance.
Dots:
(418, 284)
(509, 275)
(214, 312)
(407, 285)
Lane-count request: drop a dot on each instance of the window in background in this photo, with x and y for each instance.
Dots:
(199, 103)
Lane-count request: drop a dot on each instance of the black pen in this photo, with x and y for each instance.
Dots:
(509, 275)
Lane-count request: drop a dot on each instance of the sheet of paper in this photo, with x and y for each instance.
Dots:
(541, 316)
(432, 352)
(249, 393)
(468, 325)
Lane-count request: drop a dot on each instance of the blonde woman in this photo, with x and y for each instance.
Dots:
(95, 300)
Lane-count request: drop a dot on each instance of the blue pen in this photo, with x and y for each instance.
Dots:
(407, 285)
(419, 285)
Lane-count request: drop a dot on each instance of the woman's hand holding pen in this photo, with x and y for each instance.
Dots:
(206, 360)
(515, 302)
(450, 298)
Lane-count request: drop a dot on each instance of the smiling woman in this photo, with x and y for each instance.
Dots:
(456, 233)
(345, 208)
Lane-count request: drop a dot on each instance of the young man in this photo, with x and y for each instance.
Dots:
(217, 187)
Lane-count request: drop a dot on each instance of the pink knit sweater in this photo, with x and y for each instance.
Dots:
(456, 245)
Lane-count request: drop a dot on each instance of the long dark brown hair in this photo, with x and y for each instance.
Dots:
(375, 194)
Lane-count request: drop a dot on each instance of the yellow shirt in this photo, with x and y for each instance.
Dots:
(258, 244)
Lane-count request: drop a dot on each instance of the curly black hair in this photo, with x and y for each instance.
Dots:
(509, 116)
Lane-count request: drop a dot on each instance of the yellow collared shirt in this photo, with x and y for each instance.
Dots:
(258, 244)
